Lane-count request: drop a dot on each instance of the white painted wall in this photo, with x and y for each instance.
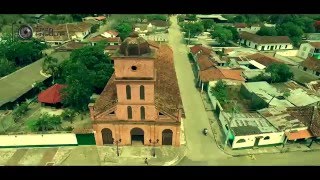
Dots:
(288, 53)
(38, 139)
(304, 50)
(267, 47)
(275, 138)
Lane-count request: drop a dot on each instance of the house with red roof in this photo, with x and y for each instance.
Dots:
(111, 41)
(52, 95)
(309, 49)
(265, 43)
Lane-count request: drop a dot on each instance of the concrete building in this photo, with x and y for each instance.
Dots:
(249, 130)
(311, 49)
(285, 120)
(247, 28)
(263, 95)
(311, 65)
(110, 34)
(265, 43)
(141, 103)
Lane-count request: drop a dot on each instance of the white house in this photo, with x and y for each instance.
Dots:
(309, 49)
(110, 34)
(247, 130)
(244, 27)
(265, 43)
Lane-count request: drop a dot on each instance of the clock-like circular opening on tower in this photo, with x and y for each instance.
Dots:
(133, 68)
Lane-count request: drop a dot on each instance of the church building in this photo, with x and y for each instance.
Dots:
(141, 103)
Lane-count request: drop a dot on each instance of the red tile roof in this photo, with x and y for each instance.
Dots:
(309, 116)
(311, 63)
(204, 62)
(213, 74)
(299, 135)
(159, 23)
(69, 46)
(199, 48)
(52, 95)
(240, 25)
(265, 39)
(97, 39)
(263, 59)
(112, 32)
(154, 44)
(167, 93)
(100, 18)
(115, 39)
(112, 47)
(315, 44)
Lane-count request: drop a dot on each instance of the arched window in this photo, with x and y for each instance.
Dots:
(142, 92)
(266, 138)
(128, 91)
(142, 113)
(129, 109)
(241, 141)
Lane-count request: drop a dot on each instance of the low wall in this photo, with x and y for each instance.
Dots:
(288, 53)
(38, 140)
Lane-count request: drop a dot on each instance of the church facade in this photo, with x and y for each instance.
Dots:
(141, 103)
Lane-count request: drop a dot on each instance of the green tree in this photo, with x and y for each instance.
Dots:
(222, 35)
(20, 111)
(191, 17)
(124, 30)
(6, 67)
(44, 123)
(267, 31)
(68, 115)
(279, 72)
(292, 30)
(220, 91)
(240, 19)
(51, 66)
(207, 23)
(95, 28)
(161, 17)
(193, 28)
(99, 64)
(79, 87)
(252, 19)
(235, 33)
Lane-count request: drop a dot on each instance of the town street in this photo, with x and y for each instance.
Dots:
(202, 150)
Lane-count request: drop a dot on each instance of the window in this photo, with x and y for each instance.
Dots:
(266, 138)
(128, 91)
(317, 73)
(227, 127)
(241, 141)
(129, 109)
(286, 46)
(305, 69)
(142, 113)
(142, 92)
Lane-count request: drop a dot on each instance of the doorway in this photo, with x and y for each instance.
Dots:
(256, 142)
(167, 137)
(107, 136)
(137, 136)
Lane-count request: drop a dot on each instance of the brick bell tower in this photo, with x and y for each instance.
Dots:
(135, 78)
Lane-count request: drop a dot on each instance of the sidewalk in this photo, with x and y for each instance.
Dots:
(92, 156)
(219, 138)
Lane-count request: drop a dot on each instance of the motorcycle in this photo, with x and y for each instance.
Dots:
(205, 131)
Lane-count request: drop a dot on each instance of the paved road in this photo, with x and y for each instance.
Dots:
(203, 150)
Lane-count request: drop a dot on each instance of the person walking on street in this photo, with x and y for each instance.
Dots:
(146, 161)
